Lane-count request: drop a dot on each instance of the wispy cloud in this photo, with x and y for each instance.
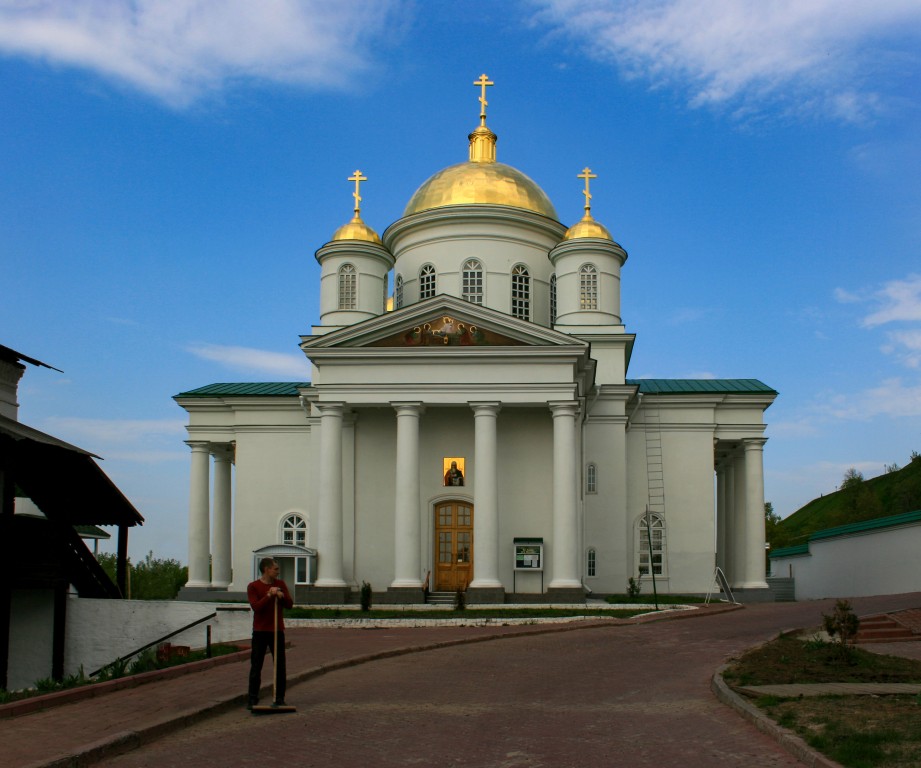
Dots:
(896, 300)
(891, 397)
(253, 360)
(830, 57)
(178, 50)
(113, 431)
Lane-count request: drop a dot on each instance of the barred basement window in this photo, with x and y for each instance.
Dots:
(347, 286)
(657, 526)
(590, 563)
(294, 530)
(427, 282)
(588, 287)
(552, 299)
(591, 479)
(521, 292)
(398, 292)
(472, 282)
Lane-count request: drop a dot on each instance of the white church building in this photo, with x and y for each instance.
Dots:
(477, 430)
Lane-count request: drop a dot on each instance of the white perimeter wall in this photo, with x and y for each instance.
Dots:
(875, 563)
(100, 631)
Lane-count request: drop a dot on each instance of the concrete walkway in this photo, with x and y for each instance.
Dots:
(139, 720)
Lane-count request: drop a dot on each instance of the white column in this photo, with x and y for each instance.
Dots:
(737, 522)
(721, 517)
(407, 545)
(485, 497)
(221, 570)
(199, 509)
(754, 514)
(565, 542)
(329, 524)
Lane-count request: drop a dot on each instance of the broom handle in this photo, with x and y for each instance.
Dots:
(275, 654)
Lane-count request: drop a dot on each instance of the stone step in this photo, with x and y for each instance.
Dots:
(440, 598)
(882, 629)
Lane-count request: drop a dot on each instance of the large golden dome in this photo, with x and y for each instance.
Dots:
(481, 183)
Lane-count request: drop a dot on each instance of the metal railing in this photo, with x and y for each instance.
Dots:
(159, 640)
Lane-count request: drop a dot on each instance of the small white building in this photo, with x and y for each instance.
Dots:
(482, 433)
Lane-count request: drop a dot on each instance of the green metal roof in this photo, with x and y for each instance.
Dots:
(797, 549)
(850, 529)
(248, 389)
(868, 525)
(701, 386)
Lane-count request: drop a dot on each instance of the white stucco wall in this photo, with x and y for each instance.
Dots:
(879, 562)
(30, 637)
(99, 631)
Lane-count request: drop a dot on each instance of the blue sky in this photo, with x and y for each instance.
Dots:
(168, 169)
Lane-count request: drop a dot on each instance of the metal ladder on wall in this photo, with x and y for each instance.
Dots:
(655, 471)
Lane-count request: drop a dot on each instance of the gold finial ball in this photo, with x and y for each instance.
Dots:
(356, 229)
(587, 227)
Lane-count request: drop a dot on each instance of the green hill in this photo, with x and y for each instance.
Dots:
(857, 500)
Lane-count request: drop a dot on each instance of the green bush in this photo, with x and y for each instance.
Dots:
(365, 596)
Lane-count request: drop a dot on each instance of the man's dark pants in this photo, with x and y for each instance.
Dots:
(262, 642)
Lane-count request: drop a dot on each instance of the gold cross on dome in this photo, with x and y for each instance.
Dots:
(357, 178)
(587, 174)
(483, 82)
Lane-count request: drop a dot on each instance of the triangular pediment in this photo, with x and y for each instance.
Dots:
(445, 322)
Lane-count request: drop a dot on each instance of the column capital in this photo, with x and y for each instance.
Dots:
(415, 406)
(485, 407)
(753, 443)
(330, 408)
(564, 408)
(223, 451)
(199, 446)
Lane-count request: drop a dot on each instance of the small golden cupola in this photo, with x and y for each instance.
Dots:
(356, 229)
(587, 226)
(354, 269)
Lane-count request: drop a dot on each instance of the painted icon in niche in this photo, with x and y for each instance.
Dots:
(454, 471)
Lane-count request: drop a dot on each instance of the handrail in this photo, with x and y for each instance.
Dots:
(155, 642)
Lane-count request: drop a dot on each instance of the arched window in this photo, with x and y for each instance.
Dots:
(398, 292)
(472, 282)
(426, 282)
(588, 287)
(521, 292)
(590, 564)
(657, 528)
(294, 530)
(552, 299)
(347, 286)
(591, 479)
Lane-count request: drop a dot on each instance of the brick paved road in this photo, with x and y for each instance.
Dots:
(627, 696)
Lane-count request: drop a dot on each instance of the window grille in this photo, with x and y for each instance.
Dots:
(552, 299)
(472, 282)
(347, 286)
(590, 563)
(657, 525)
(294, 530)
(521, 292)
(398, 292)
(588, 287)
(427, 282)
(591, 479)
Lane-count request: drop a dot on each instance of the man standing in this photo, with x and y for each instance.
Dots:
(268, 597)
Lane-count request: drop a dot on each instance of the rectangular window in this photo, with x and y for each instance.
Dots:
(300, 570)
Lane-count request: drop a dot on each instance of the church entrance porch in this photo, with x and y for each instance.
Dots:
(453, 545)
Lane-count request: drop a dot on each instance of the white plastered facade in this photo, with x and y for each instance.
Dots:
(358, 453)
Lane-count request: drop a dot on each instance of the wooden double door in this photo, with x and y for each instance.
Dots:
(453, 545)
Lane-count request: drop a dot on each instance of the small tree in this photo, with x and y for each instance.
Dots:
(460, 600)
(365, 596)
(633, 588)
(842, 625)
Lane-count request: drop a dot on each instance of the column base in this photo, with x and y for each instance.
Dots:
(485, 595)
(566, 594)
(322, 595)
(746, 595)
(403, 596)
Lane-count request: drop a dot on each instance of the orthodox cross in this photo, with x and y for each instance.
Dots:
(357, 178)
(587, 174)
(483, 82)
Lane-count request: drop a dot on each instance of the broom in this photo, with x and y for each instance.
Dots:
(273, 708)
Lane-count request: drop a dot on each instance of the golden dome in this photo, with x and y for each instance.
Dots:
(587, 227)
(356, 229)
(481, 183)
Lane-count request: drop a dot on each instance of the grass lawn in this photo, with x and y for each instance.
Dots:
(856, 731)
